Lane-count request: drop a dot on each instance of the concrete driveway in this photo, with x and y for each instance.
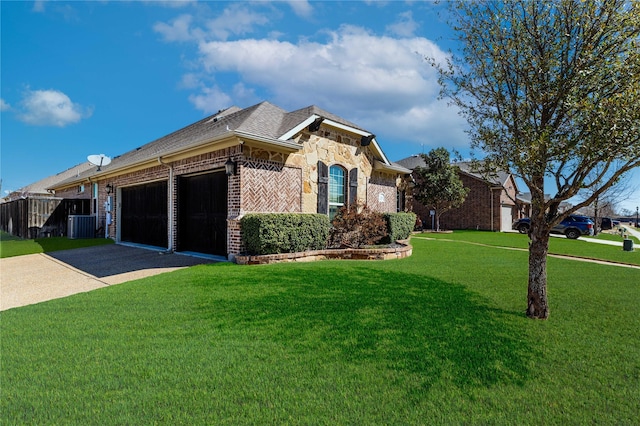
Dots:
(35, 278)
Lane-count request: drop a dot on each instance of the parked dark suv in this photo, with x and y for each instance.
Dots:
(572, 226)
(607, 223)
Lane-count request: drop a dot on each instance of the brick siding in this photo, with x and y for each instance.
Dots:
(265, 181)
(270, 187)
(482, 209)
(382, 193)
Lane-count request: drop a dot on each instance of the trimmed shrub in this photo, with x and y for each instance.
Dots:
(271, 233)
(399, 225)
(356, 226)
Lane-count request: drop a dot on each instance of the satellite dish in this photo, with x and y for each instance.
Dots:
(99, 160)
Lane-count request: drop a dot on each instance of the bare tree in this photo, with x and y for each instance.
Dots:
(551, 91)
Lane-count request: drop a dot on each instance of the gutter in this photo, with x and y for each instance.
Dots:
(379, 165)
(288, 145)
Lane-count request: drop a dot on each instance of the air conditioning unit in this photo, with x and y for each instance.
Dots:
(81, 226)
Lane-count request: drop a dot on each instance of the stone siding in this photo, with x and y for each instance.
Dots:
(331, 147)
(386, 253)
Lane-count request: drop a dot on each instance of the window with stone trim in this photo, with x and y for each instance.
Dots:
(337, 189)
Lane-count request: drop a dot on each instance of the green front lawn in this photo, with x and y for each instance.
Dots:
(437, 338)
(13, 246)
(557, 245)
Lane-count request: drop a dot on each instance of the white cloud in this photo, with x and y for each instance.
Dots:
(236, 20)
(50, 108)
(4, 106)
(173, 4)
(211, 99)
(190, 81)
(376, 81)
(405, 26)
(178, 30)
(301, 8)
(38, 6)
(367, 78)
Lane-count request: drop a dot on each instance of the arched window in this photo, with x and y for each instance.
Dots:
(337, 189)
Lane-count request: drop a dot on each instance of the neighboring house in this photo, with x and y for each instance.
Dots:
(33, 211)
(525, 199)
(41, 187)
(187, 191)
(491, 204)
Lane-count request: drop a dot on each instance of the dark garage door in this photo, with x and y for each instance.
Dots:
(202, 213)
(144, 214)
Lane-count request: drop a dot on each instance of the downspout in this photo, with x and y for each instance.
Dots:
(170, 212)
(93, 206)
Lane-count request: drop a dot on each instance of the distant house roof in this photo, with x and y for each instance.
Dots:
(262, 123)
(497, 178)
(525, 197)
(39, 188)
(412, 162)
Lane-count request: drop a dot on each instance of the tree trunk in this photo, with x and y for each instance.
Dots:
(596, 214)
(538, 307)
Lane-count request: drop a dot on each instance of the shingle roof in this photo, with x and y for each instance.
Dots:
(411, 162)
(295, 117)
(263, 120)
(39, 188)
(499, 178)
(255, 119)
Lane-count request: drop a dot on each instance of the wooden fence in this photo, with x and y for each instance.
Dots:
(38, 217)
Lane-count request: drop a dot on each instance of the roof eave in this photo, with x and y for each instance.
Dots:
(250, 139)
(395, 168)
(221, 142)
(233, 138)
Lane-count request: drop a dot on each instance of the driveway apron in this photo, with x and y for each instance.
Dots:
(35, 278)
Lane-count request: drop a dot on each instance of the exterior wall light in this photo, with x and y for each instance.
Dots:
(230, 167)
(109, 188)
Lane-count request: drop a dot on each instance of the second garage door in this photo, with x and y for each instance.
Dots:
(202, 213)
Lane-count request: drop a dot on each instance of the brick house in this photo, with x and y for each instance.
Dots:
(492, 203)
(187, 191)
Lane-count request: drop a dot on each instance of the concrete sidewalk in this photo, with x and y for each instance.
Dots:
(633, 231)
(35, 278)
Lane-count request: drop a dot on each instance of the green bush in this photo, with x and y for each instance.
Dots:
(271, 233)
(399, 225)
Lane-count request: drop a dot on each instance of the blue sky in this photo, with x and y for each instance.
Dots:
(82, 78)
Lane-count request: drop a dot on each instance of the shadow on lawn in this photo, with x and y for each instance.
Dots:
(411, 323)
